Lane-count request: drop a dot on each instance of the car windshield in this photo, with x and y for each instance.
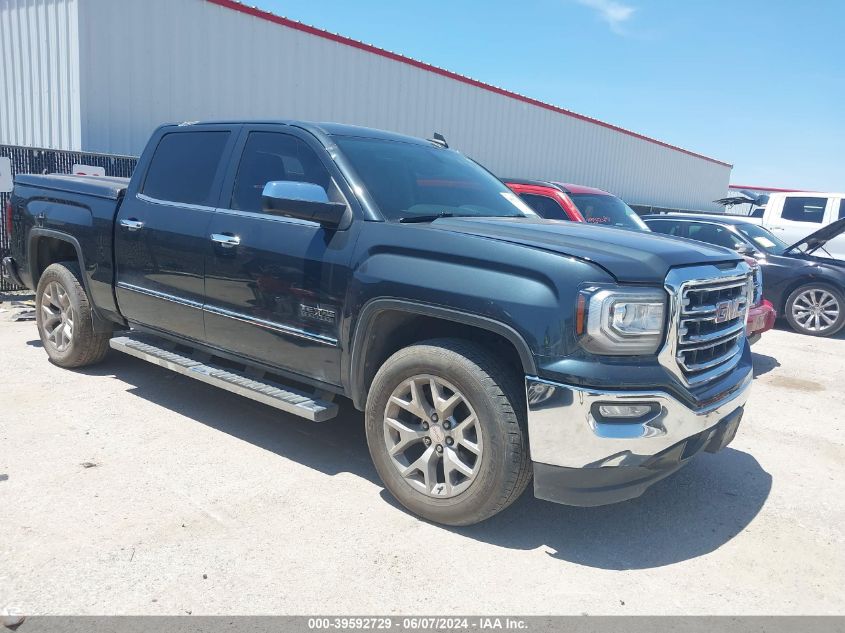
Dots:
(763, 239)
(411, 181)
(608, 210)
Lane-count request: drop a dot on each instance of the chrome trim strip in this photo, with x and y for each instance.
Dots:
(268, 217)
(272, 325)
(160, 295)
(182, 205)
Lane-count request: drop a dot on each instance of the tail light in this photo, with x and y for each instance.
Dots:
(8, 214)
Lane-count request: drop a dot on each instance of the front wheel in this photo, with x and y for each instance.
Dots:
(446, 429)
(63, 315)
(816, 309)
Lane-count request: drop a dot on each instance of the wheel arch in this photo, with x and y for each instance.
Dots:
(47, 247)
(387, 325)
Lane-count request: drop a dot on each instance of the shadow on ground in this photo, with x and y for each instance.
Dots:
(690, 514)
(763, 364)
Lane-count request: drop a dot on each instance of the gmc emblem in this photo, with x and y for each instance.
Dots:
(727, 310)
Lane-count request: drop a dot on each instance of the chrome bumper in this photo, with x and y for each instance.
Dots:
(565, 430)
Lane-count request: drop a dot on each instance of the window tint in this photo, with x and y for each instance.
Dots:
(546, 207)
(842, 208)
(804, 209)
(269, 156)
(667, 227)
(608, 210)
(713, 234)
(183, 166)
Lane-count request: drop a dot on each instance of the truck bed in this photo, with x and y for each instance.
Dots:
(109, 187)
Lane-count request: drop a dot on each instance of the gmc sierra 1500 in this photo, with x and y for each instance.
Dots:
(291, 262)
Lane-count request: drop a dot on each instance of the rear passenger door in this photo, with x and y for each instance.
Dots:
(275, 292)
(162, 228)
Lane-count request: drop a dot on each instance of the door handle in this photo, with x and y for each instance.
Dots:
(226, 241)
(132, 224)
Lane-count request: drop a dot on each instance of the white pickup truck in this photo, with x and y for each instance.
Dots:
(794, 215)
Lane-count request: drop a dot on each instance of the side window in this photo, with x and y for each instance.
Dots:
(546, 207)
(183, 166)
(804, 209)
(269, 156)
(842, 209)
(666, 227)
(713, 234)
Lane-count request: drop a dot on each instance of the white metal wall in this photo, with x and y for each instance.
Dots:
(145, 62)
(39, 73)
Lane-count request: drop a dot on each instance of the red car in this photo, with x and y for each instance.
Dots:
(564, 201)
(576, 203)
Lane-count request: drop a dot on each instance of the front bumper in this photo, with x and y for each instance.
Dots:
(761, 318)
(583, 459)
(10, 270)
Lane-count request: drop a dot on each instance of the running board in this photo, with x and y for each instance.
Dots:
(255, 387)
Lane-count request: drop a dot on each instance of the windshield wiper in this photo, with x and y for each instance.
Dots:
(426, 218)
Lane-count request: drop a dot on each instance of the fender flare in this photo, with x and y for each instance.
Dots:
(99, 323)
(371, 310)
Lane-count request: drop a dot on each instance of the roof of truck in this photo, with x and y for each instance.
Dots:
(327, 128)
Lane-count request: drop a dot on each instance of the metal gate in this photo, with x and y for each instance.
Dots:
(33, 160)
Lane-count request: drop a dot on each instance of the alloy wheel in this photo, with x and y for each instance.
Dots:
(433, 436)
(57, 316)
(815, 310)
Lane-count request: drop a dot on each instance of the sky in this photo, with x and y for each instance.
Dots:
(759, 84)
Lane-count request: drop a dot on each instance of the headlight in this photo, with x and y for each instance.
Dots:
(621, 321)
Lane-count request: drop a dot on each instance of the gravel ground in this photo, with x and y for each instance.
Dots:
(126, 489)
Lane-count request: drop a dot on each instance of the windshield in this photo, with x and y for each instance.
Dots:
(407, 180)
(608, 210)
(763, 239)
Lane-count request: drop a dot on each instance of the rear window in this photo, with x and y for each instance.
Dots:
(607, 210)
(184, 165)
(544, 206)
(666, 227)
(804, 209)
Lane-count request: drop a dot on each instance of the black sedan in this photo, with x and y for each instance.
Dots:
(804, 283)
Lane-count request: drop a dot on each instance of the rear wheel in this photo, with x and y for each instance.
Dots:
(63, 315)
(446, 430)
(816, 309)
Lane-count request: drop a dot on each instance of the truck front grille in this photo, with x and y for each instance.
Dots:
(711, 326)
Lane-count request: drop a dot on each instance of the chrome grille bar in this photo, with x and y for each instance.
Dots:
(711, 325)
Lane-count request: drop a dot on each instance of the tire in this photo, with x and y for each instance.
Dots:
(486, 431)
(816, 309)
(63, 315)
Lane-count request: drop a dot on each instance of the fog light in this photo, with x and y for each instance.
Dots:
(623, 410)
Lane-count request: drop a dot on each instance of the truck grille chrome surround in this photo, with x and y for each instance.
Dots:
(707, 314)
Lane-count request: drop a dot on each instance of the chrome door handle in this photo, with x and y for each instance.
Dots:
(226, 241)
(132, 224)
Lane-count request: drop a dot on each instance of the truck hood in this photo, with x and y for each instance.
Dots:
(630, 256)
(817, 240)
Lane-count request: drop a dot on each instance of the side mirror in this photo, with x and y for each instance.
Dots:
(744, 249)
(303, 201)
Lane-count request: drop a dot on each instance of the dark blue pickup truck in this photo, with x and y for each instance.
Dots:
(293, 263)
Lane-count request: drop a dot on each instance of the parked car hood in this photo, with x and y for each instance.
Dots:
(630, 256)
(815, 241)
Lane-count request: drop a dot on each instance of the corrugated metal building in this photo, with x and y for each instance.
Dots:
(99, 75)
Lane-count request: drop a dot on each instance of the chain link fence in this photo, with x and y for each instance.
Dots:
(33, 160)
